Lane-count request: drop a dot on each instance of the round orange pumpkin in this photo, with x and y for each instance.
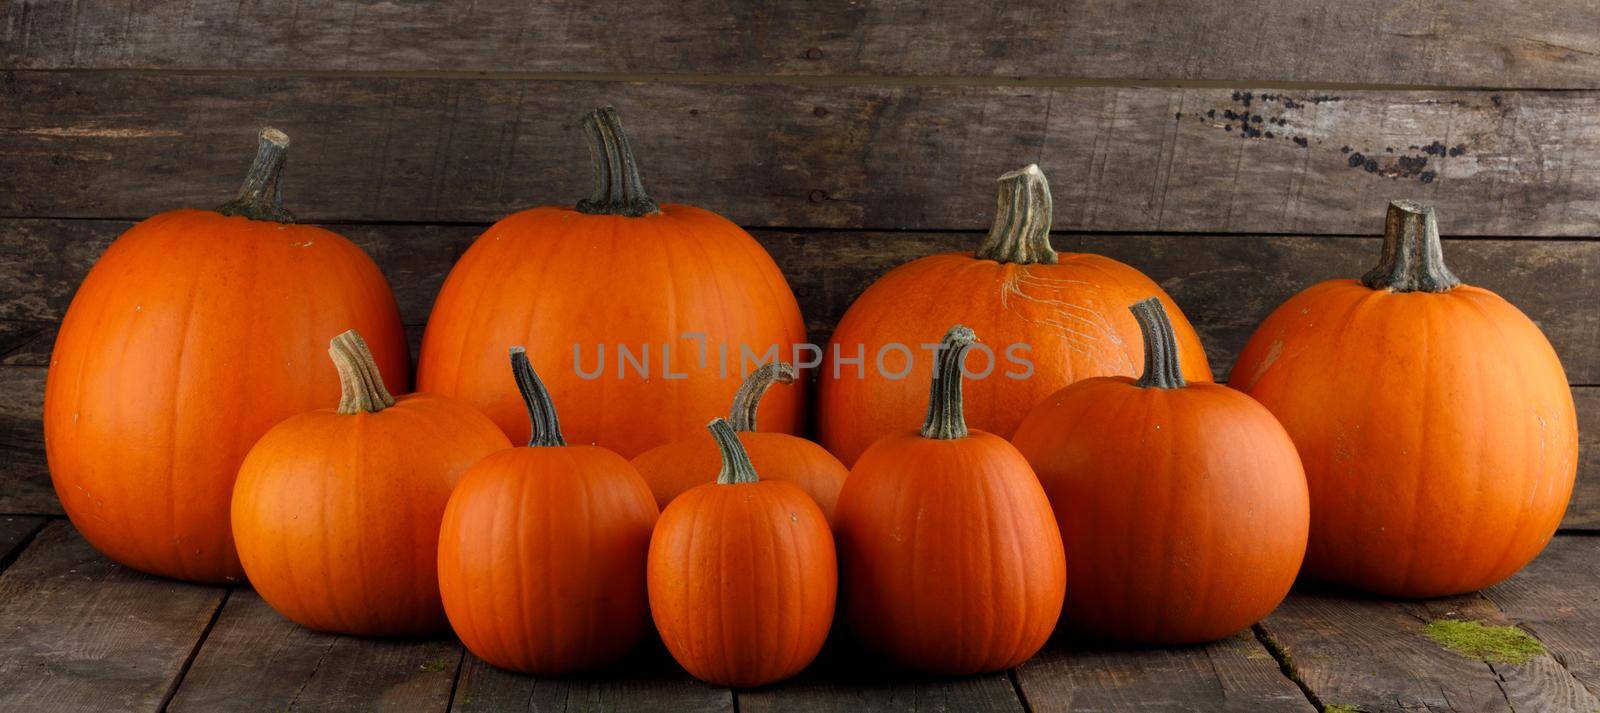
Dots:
(193, 334)
(1435, 422)
(542, 551)
(742, 575)
(1050, 319)
(686, 293)
(948, 553)
(336, 512)
(681, 465)
(1182, 505)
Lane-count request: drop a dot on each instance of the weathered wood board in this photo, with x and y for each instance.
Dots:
(646, 682)
(845, 679)
(1496, 44)
(452, 149)
(1557, 599)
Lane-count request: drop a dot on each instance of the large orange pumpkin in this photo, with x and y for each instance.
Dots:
(949, 556)
(681, 465)
(688, 295)
(542, 551)
(336, 512)
(1063, 314)
(195, 332)
(1182, 505)
(742, 575)
(1434, 420)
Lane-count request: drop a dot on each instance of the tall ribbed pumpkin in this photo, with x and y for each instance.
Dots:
(193, 334)
(1048, 319)
(949, 556)
(1434, 420)
(683, 290)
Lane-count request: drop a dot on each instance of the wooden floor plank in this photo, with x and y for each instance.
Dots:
(109, 144)
(1372, 655)
(16, 531)
(1558, 599)
(255, 660)
(78, 632)
(648, 682)
(1236, 674)
(844, 679)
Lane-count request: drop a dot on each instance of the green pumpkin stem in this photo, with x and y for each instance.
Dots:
(1020, 233)
(361, 388)
(546, 428)
(745, 402)
(261, 197)
(1161, 367)
(1413, 259)
(946, 419)
(736, 467)
(617, 187)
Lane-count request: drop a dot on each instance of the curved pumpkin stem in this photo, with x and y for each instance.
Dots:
(261, 197)
(743, 415)
(1021, 230)
(1161, 367)
(617, 187)
(1413, 259)
(946, 419)
(736, 467)
(361, 388)
(541, 410)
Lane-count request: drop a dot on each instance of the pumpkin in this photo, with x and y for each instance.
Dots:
(678, 466)
(1181, 504)
(336, 512)
(542, 551)
(742, 574)
(193, 334)
(1052, 318)
(649, 307)
(1434, 420)
(949, 556)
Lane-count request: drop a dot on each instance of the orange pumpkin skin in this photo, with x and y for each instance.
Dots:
(1437, 429)
(192, 335)
(1072, 314)
(949, 557)
(337, 515)
(571, 280)
(742, 581)
(1183, 510)
(542, 559)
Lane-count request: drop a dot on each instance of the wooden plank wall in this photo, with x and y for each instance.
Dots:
(1235, 152)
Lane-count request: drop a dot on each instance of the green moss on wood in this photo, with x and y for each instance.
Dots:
(1495, 644)
(436, 665)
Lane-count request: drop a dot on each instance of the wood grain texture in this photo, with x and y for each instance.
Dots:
(1372, 655)
(255, 660)
(15, 532)
(129, 144)
(1583, 513)
(647, 682)
(1236, 674)
(1557, 598)
(78, 632)
(844, 679)
(1497, 43)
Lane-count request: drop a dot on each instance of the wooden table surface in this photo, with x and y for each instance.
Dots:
(78, 632)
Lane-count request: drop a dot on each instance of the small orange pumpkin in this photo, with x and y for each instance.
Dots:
(742, 575)
(1182, 505)
(949, 554)
(542, 551)
(336, 512)
(681, 465)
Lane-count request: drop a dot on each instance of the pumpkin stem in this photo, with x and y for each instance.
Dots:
(1021, 230)
(261, 197)
(541, 410)
(1413, 259)
(748, 398)
(946, 419)
(736, 467)
(617, 188)
(1161, 367)
(361, 388)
